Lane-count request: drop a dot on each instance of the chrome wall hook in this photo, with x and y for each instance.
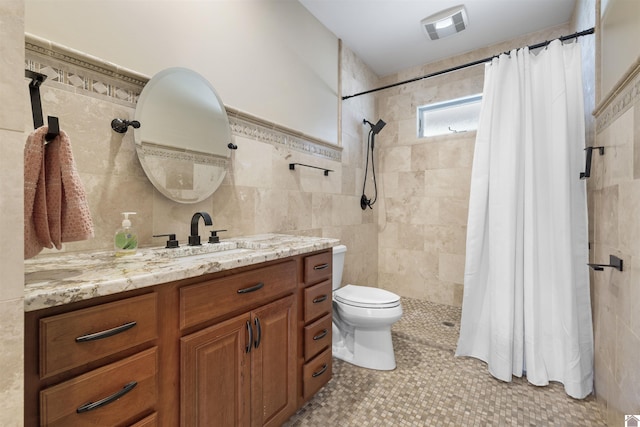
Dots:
(121, 125)
(614, 262)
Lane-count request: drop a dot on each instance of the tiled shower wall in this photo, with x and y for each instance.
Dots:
(614, 196)
(259, 195)
(426, 181)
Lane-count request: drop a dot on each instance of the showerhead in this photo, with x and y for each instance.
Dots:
(375, 128)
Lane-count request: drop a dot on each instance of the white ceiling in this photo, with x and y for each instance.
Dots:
(386, 34)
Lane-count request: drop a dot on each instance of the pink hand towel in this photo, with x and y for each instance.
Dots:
(35, 221)
(55, 203)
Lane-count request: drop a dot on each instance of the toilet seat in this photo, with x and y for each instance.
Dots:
(366, 297)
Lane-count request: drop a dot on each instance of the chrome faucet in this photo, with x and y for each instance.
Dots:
(194, 238)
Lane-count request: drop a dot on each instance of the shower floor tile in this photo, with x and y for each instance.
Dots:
(431, 387)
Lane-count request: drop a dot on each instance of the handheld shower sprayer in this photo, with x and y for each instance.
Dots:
(375, 129)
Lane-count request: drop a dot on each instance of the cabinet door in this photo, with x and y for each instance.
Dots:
(273, 382)
(214, 375)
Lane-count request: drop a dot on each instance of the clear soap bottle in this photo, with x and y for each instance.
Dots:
(126, 239)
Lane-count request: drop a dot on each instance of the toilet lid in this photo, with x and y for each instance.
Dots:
(366, 297)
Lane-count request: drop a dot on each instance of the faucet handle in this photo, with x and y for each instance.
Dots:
(214, 238)
(171, 242)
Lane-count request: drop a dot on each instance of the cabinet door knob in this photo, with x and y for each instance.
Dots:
(109, 399)
(104, 334)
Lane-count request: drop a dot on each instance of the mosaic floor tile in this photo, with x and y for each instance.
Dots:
(432, 387)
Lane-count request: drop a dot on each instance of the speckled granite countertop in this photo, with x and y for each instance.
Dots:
(53, 280)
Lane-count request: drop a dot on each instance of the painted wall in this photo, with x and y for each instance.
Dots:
(263, 57)
(620, 34)
(614, 216)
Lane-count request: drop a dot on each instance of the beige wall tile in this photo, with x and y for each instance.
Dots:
(13, 87)
(607, 217)
(11, 206)
(617, 161)
(425, 156)
(629, 217)
(446, 238)
(12, 361)
(451, 268)
(626, 371)
(396, 159)
(447, 183)
(614, 212)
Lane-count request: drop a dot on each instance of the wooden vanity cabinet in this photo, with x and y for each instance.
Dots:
(93, 366)
(314, 320)
(243, 347)
(241, 371)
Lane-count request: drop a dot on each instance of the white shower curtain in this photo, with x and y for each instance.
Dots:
(526, 307)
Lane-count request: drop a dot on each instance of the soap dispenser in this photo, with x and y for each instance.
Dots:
(126, 239)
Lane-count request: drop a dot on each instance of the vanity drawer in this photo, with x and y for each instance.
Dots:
(317, 337)
(76, 338)
(317, 267)
(317, 300)
(128, 389)
(316, 373)
(223, 297)
(150, 421)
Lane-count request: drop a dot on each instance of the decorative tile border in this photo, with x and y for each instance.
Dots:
(243, 124)
(75, 71)
(620, 99)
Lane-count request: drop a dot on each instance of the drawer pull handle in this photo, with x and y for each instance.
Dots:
(259, 330)
(109, 399)
(321, 335)
(321, 266)
(319, 299)
(105, 334)
(251, 289)
(321, 371)
(250, 330)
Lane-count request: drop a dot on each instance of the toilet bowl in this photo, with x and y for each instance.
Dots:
(362, 319)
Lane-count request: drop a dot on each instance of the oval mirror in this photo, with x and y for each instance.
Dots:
(183, 135)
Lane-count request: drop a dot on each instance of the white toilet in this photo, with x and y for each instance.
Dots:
(362, 319)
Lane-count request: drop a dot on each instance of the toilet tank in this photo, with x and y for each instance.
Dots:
(338, 265)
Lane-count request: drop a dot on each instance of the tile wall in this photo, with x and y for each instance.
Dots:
(425, 182)
(13, 88)
(259, 195)
(614, 195)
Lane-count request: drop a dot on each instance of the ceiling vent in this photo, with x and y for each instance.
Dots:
(445, 23)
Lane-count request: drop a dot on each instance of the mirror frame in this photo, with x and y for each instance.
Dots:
(182, 141)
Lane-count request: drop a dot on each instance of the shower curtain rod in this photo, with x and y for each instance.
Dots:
(470, 64)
